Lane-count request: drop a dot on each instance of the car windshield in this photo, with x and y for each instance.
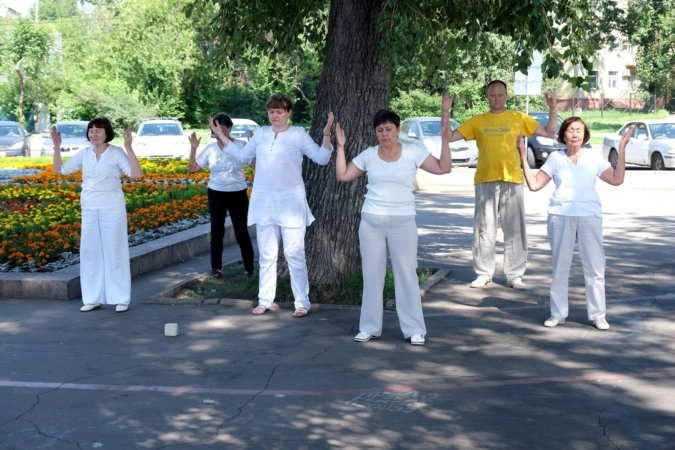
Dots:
(543, 119)
(433, 127)
(72, 131)
(663, 130)
(10, 130)
(160, 129)
(242, 130)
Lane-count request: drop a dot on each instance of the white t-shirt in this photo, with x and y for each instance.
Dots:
(575, 193)
(226, 171)
(391, 183)
(278, 196)
(101, 180)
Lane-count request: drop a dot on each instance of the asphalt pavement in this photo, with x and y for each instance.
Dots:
(489, 377)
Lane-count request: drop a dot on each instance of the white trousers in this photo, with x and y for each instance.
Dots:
(268, 237)
(563, 233)
(105, 273)
(505, 201)
(399, 235)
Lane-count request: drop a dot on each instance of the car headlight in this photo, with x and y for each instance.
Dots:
(671, 151)
(16, 146)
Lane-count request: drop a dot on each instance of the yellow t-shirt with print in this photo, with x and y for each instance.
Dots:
(495, 136)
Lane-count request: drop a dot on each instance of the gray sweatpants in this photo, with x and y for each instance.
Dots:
(498, 199)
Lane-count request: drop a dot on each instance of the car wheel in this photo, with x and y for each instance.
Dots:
(613, 157)
(531, 160)
(657, 162)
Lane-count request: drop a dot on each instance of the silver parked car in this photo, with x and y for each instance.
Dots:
(73, 138)
(14, 141)
(428, 131)
(652, 144)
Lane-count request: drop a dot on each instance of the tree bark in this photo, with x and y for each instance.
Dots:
(355, 83)
(22, 94)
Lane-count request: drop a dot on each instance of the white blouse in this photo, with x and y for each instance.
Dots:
(101, 179)
(575, 193)
(279, 195)
(391, 184)
(226, 171)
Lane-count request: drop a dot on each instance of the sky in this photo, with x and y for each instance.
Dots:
(22, 6)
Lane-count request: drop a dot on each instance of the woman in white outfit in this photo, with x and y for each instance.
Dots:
(278, 204)
(105, 273)
(575, 215)
(388, 219)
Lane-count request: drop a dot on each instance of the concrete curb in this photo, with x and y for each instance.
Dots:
(64, 284)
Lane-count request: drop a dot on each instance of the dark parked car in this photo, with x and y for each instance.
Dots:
(538, 147)
(14, 141)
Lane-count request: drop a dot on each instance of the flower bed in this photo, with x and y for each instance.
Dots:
(40, 214)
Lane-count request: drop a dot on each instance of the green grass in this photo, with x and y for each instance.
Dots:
(235, 285)
(610, 120)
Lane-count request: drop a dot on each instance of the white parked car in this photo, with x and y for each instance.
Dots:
(652, 144)
(428, 131)
(161, 138)
(243, 129)
(73, 138)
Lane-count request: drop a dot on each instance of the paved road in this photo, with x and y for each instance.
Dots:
(490, 377)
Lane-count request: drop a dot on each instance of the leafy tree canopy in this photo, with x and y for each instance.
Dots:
(565, 30)
(650, 25)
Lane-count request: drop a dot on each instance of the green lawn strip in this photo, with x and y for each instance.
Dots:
(235, 285)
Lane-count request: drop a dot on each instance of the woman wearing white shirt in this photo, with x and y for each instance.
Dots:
(105, 273)
(278, 204)
(575, 215)
(226, 192)
(388, 220)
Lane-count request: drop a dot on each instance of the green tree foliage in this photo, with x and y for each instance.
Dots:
(650, 25)
(55, 9)
(152, 47)
(24, 52)
(365, 41)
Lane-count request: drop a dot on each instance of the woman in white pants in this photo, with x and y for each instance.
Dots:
(105, 274)
(575, 215)
(278, 204)
(388, 219)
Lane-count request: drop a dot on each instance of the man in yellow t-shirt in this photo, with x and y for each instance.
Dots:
(499, 183)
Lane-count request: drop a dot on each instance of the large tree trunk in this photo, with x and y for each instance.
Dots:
(355, 79)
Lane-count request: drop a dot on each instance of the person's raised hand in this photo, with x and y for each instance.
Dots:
(447, 101)
(340, 137)
(217, 130)
(520, 145)
(194, 141)
(329, 124)
(625, 138)
(127, 138)
(550, 98)
(56, 137)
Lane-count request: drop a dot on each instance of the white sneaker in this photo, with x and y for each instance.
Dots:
(363, 337)
(121, 307)
(601, 323)
(417, 339)
(517, 284)
(554, 321)
(90, 307)
(481, 281)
